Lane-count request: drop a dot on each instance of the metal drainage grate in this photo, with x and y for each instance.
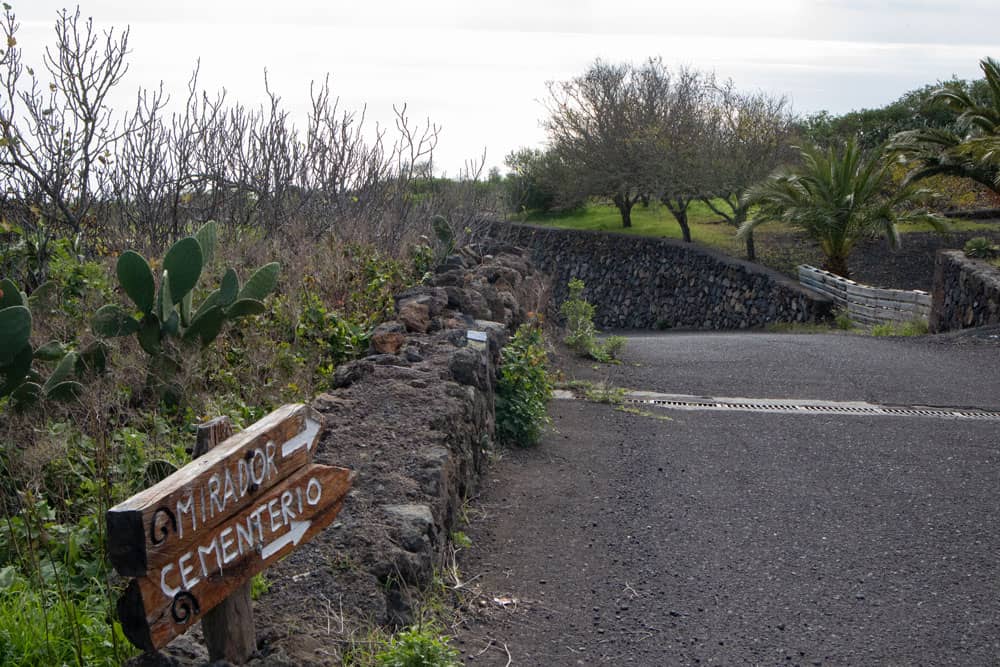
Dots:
(803, 406)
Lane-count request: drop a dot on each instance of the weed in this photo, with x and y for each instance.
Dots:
(980, 247)
(523, 388)
(460, 539)
(418, 646)
(842, 319)
(581, 335)
(642, 413)
(606, 394)
(911, 328)
(344, 563)
(259, 585)
(884, 329)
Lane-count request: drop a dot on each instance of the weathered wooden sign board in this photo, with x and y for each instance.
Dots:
(201, 533)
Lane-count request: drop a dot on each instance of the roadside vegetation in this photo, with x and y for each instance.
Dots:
(523, 389)
(837, 197)
(160, 270)
(581, 334)
(680, 154)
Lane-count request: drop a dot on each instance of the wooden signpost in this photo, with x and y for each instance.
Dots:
(200, 534)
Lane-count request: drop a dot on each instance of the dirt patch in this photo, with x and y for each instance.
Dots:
(873, 262)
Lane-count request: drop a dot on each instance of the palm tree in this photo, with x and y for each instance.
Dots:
(971, 147)
(837, 197)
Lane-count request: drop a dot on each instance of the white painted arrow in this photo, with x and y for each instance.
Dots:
(303, 439)
(293, 536)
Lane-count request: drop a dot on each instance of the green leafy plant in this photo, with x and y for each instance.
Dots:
(259, 585)
(842, 319)
(837, 197)
(608, 349)
(33, 631)
(21, 379)
(579, 314)
(980, 247)
(418, 647)
(523, 388)
(581, 334)
(460, 539)
(25, 253)
(167, 315)
(444, 235)
(911, 328)
(422, 258)
(603, 393)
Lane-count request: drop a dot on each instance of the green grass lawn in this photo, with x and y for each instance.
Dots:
(776, 242)
(655, 220)
(707, 227)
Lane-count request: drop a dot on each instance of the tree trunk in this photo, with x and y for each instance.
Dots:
(837, 265)
(680, 213)
(682, 220)
(624, 205)
(751, 248)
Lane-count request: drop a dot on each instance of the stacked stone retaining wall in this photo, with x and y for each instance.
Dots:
(415, 419)
(966, 293)
(644, 283)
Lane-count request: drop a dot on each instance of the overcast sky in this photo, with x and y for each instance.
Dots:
(479, 69)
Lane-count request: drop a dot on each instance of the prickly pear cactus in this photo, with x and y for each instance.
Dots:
(165, 315)
(19, 379)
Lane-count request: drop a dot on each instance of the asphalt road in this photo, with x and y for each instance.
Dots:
(907, 371)
(747, 538)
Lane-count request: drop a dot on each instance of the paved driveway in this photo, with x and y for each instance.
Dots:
(750, 538)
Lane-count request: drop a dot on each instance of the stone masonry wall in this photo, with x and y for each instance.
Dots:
(966, 292)
(643, 283)
(415, 419)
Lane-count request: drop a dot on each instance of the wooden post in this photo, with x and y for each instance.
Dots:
(193, 541)
(228, 628)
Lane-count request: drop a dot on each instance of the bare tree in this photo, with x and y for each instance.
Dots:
(143, 179)
(56, 135)
(749, 138)
(595, 126)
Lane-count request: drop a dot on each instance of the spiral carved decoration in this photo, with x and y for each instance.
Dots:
(184, 607)
(159, 530)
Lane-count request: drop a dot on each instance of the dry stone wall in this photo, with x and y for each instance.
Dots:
(415, 419)
(966, 293)
(643, 283)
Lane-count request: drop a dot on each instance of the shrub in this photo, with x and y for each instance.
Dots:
(418, 647)
(579, 314)
(980, 248)
(842, 320)
(581, 335)
(523, 389)
(607, 350)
